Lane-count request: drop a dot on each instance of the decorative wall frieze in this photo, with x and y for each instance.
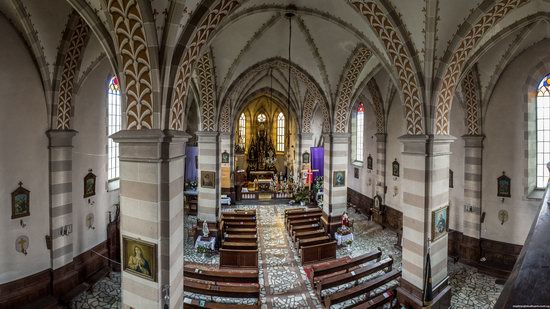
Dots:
(470, 87)
(206, 78)
(378, 105)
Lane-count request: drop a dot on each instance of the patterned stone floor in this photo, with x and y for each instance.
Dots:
(105, 294)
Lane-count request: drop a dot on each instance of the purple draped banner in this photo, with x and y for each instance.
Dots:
(190, 167)
(317, 161)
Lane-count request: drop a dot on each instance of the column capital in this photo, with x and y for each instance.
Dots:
(305, 135)
(380, 137)
(427, 144)
(225, 135)
(338, 138)
(208, 136)
(474, 141)
(61, 138)
(150, 145)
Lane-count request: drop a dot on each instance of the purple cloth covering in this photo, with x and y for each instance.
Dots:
(190, 167)
(317, 161)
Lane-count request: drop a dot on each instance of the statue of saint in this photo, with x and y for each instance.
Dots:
(205, 231)
(345, 219)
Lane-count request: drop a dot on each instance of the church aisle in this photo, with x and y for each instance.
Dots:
(283, 280)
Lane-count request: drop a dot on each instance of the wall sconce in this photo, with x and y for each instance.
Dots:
(395, 191)
(22, 244)
(22, 223)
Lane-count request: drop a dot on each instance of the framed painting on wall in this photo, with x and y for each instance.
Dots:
(208, 179)
(305, 157)
(225, 157)
(339, 178)
(395, 168)
(20, 202)
(356, 173)
(89, 184)
(440, 222)
(139, 258)
(369, 162)
(504, 186)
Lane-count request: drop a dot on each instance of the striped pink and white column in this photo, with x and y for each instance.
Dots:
(473, 154)
(425, 185)
(380, 163)
(151, 208)
(208, 162)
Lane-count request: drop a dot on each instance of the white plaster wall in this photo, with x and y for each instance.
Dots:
(456, 194)
(394, 147)
(90, 152)
(369, 147)
(504, 151)
(23, 157)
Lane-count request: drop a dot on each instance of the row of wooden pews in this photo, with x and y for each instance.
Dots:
(220, 288)
(239, 245)
(363, 275)
(309, 236)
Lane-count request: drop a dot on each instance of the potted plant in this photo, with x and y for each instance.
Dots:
(301, 196)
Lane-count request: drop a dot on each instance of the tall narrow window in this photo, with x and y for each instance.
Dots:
(543, 131)
(114, 117)
(242, 131)
(360, 124)
(281, 132)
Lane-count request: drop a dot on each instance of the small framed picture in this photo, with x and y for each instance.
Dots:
(208, 179)
(305, 157)
(369, 162)
(504, 186)
(395, 168)
(20, 202)
(339, 178)
(356, 173)
(225, 157)
(440, 222)
(89, 184)
(139, 258)
(451, 179)
(377, 201)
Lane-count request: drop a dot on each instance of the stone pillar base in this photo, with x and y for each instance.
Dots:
(410, 296)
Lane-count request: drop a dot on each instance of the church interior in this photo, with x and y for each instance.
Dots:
(274, 154)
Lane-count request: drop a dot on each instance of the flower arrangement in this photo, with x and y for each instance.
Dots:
(348, 242)
(202, 249)
(343, 230)
(191, 185)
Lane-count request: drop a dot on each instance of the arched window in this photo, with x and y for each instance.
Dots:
(242, 131)
(114, 118)
(359, 128)
(281, 132)
(543, 131)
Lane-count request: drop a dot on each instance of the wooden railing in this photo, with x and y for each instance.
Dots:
(529, 282)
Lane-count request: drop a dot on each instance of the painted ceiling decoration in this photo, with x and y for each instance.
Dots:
(377, 105)
(156, 47)
(470, 87)
(73, 57)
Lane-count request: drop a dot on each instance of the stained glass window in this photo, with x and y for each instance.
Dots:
(242, 130)
(359, 132)
(543, 131)
(281, 132)
(261, 118)
(114, 118)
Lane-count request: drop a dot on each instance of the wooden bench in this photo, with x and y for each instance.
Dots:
(305, 228)
(312, 241)
(221, 289)
(220, 275)
(304, 216)
(240, 238)
(194, 303)
(238, 258)
(238, 218)
(46, 302)
(239, 245)
(377, 301)
(361, 289)
(316, 253)
(310, 234)
(351, 276)
(240, 224)
(315, 210)
(343, 264)
(241, 231)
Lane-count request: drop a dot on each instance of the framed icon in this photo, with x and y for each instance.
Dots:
(139, 258)
(339, 178)
(440, 222)
(225, 157)
(369, 162)
(305, 157)
(89, 184)
(208, 179)
(504, 186)
(395, 168)
(20, 202)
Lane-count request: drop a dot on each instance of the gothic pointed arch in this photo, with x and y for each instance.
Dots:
(378, 105)
(470, 88)
(207, 88)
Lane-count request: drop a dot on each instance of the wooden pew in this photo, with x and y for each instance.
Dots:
(310, 234)
(194, 303)
(300, 212)
(220, 275)
(297, 222)
(312, 241)
(318, 253)
(361, 289)
(305, 228)
(238, 258)
(220, 289)
(238, 219)
(377, 301)
(356, 274)
(239, 245)
(240, 231)
(343, 264)
(240, 224)
(240, 238)
(304, 216)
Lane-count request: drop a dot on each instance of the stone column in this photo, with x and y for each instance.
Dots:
(473, 153)
(151, 211)
(226, 177)
(425, 185)
(380, 163)
(61, 209)
(306, 142)
(208, 161)
(335, 195)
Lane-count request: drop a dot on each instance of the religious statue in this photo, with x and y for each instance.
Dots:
(345, 219)
(205, 231)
